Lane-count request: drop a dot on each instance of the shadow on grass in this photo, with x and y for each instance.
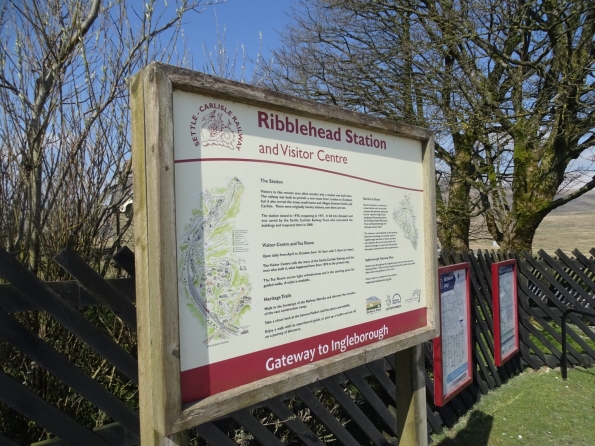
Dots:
(476, 432)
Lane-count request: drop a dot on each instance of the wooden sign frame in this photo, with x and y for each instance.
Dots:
(500, 359)
(162, 413)
(439, 358)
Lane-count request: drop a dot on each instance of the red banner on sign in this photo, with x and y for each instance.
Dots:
(210, 379)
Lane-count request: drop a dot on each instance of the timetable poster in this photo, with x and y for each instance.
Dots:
(506, 329)
(452, 350)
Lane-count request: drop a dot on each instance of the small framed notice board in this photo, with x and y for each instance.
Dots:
(278, 242)
(505, 304)
(453, 365)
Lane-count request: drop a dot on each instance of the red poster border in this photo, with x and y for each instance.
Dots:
(439, 398)
(498, 359)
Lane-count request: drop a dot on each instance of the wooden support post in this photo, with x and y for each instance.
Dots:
(157, 310)
(411, 397)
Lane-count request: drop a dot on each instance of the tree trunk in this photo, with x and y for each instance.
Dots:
(35, 168)
(35, 213)
(522, 237)
(534, 188)
(455, 217)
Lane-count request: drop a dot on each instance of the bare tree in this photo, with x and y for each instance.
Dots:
(506, 85)
(64, 144)
(64, 126)
(231, 63)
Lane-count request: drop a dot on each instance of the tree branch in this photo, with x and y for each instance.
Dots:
(572, 196)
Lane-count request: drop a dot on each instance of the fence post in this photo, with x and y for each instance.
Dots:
(411, 397)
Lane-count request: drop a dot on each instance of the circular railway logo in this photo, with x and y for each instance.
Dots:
(216, 125)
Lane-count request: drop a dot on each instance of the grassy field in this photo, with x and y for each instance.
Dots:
(566, 231)
(568, 227)
(534, 408)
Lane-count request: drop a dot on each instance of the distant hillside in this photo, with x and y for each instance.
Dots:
(585, 204)
(582, 205)
(568, 227)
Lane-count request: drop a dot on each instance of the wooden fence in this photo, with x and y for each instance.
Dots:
(355, 407)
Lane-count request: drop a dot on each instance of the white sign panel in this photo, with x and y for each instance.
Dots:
(453, 293)
(504, 298)
(452, 351)
(508, 324)
(297, 239)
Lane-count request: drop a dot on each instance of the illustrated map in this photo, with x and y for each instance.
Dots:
(214, 278)
(404, 216)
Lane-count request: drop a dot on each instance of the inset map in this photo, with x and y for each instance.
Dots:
(404, 216)
(215, 280)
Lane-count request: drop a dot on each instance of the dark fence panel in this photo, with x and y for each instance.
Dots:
(353, 408)
(31, 345)
(35, 408)
(50, 301)
(548, 289)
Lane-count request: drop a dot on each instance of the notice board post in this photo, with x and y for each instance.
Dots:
(278, 242)
(411, 396)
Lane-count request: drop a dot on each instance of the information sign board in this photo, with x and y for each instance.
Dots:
(505, 304)
(453, 369)
(298, 239)
(282, 241)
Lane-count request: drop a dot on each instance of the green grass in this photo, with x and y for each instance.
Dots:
(534, 408)
(569, 339)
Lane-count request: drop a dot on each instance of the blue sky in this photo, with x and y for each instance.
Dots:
(242, 21)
